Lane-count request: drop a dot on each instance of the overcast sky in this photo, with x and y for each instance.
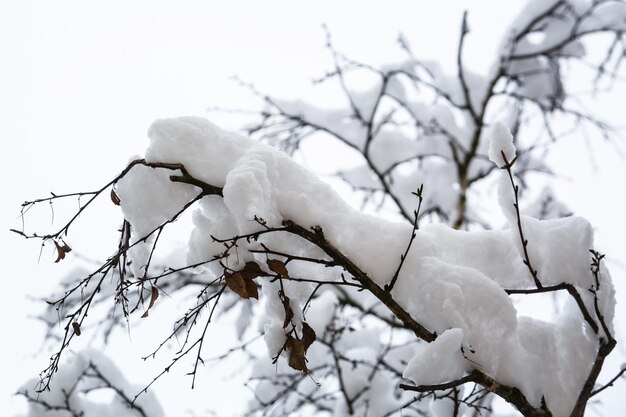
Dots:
(82, 80)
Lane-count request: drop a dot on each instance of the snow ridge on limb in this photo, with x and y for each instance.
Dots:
(262, 183)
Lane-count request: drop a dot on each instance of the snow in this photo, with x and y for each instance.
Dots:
(211, 219)
(148, 187)
(611, 15)
(321, 311)
(452, 281)
(501, 142)
(439, 361)
(477, 250)
(532, 9)
(546, 29)
(80, 396)
(339, 122)
(549, 360)
(506, 197)
(568, 240)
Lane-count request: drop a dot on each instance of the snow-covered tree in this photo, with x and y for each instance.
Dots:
(404, 306)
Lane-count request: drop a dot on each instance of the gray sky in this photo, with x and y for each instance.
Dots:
(82, 80)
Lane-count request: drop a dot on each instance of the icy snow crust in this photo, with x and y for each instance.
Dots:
(452, 281)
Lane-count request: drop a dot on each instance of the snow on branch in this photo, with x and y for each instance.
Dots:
(267, 228)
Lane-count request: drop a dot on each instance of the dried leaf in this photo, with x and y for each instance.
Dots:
(308, 336)
(242, 285)
(297, 360)
(236, 283)
(288, 311)
(251, 288)
(278, 267)
(251, 271)
(253, 268)
(60, 252)
(153, 296)
(289, 341)
(76, 327)
(144, 315)
(114, 198)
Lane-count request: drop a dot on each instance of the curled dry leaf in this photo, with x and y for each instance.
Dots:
(252, 269)
(76, 328)
(114, 198)
(287, 306)
(297, 360)
(298, 347)
(62, 250)
(241, 284)
(308, 336)
(278, 267)
(236, 283)
(251, 288)
(153, 296)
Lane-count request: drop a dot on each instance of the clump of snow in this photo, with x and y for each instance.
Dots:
(77, 377)
(210, 220)
(568, 241)
(501, 142)
(321, 311)
(186, 142)
(610, 15)
(148, 198)
(506, 197)
(477, 250)
(549, 360)
(438, 361)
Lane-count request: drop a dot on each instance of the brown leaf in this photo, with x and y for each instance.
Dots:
(236, 283)
(253, 269)
(60, 252)
(153, 296)
(114, 198)
(289, 341)
(297, 360)
(288, 311)
(76, 327)
(278, 266)
(144, 315)
(308, 336)
(251, 288)
(241, 284)
(66, 247)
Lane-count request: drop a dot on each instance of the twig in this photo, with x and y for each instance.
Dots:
(418, 194)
